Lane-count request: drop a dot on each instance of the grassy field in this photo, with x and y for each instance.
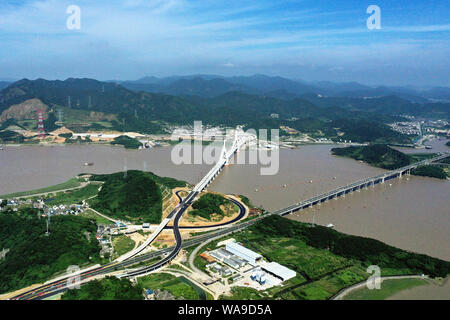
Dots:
(168, 282)
(295, 254)
(74, 196)
(242, 293)
(416, 157)
(72, 183)
(92, 215)
(213, 207)
(325, 287)
(320, 273)
(388, 288)
(122, 244)
(325, 261)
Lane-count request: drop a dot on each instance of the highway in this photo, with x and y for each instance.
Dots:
(59, 286)
(131, 258)
(55, 287)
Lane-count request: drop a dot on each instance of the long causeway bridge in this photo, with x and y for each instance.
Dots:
(358, 185)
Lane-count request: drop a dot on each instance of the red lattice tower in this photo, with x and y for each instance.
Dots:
(40, 127)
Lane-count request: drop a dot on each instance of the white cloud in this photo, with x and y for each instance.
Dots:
(136, 35)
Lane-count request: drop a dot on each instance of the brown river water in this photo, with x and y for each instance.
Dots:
(411, 213)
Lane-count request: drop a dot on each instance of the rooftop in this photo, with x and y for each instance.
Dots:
(236, 246)
(279, 270)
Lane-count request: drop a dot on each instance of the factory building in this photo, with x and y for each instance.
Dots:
(243, 253)
(279, 271)
(224, 253)
(239, 261)
(231, 263)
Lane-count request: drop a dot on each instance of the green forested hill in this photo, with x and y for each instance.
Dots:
(325, 260)
(138, 196)
(127, 142)
(366, 250)
(148, 112)
(207, 205)
(33, 257)
(109, 288)
(377, 155)
(364, 130)
(386, 105)
(10, 136)
(382, 156)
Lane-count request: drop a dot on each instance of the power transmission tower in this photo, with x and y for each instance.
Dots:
(48, 224)
(68, 102)
(40, 126)
(60, 115)
(89, 102)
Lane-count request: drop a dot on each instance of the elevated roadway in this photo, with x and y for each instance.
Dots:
(54, 287)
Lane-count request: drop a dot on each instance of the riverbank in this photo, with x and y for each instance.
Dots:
(388, 287)
(410, 213)
(393, 288)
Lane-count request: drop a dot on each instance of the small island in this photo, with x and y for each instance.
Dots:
(127, 142)
(383, 156)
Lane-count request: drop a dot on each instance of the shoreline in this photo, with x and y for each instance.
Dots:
(427, 282)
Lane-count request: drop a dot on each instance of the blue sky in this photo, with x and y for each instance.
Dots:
(311, 40)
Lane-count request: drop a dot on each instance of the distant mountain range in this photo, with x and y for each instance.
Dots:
(4, 84)
(278, 87)
(251, 101)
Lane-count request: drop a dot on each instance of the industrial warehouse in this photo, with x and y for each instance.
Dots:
(241, 266)
(244, 253)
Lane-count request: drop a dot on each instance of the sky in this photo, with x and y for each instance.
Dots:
(312, 40)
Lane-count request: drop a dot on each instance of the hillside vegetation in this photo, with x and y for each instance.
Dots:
(127, 142)
(109, 288)
(207, 205)
(326, 261)
(136, 197)
(430, 171)
(377, 155)
(119, 108)
(368, 251)
(8, 136)
(33, 257)
(387, 158)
